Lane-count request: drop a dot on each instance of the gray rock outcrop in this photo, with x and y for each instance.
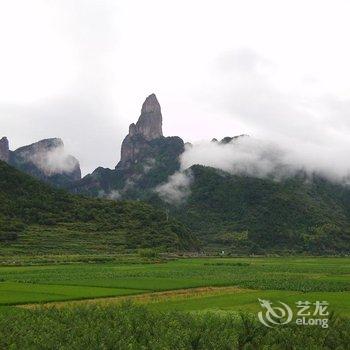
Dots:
(149, 124)
(147, 129)
(48, 161)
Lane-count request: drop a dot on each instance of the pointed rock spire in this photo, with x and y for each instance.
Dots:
(147, 128)
(149, 124)
(151, 105)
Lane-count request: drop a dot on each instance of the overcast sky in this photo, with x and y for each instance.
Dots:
(80, 70)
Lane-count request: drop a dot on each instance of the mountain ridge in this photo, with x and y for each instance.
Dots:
(46, 160)
(235, 213)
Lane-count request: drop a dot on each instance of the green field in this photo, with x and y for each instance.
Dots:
(109, 302)
(285, 279)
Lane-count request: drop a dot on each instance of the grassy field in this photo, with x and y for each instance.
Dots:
(201, 303)
(286, 279)
(134, 327)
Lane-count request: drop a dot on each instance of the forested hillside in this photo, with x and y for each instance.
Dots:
(35, 218)
(242, 213)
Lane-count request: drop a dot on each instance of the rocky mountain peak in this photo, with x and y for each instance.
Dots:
(41, 146)
(229, 139)
(45, 159)
(151, 105)
(149, 124)
(147, 128)
(4, 149)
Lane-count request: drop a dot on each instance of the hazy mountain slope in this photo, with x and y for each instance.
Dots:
(238, 213)
(46, 160)
(37, 218)
(246, 213)
(147, 159)
(157, 160)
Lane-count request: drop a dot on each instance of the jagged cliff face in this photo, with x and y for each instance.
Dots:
(147, 159)
(148, 127)
(149, 124)
(46, 160)
(4, 150)
(40, 153)
(136, 144)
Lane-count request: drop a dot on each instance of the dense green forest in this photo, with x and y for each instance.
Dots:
(238, 214)
(247, 214)
(35, 218)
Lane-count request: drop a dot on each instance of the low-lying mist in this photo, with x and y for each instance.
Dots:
(54, 161)
(250, 156)
(261, 158)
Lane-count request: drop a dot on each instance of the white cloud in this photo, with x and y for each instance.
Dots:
(257, 158)
(176, 189)
(261, 158)
(112, 195)
(55, 161)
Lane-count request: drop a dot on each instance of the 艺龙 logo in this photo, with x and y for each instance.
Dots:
(280, 314)
(274, 315)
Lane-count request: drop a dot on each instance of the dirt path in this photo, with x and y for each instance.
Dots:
(143, 298)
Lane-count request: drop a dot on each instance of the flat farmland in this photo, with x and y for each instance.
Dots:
(202, 303)
(190, 284)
